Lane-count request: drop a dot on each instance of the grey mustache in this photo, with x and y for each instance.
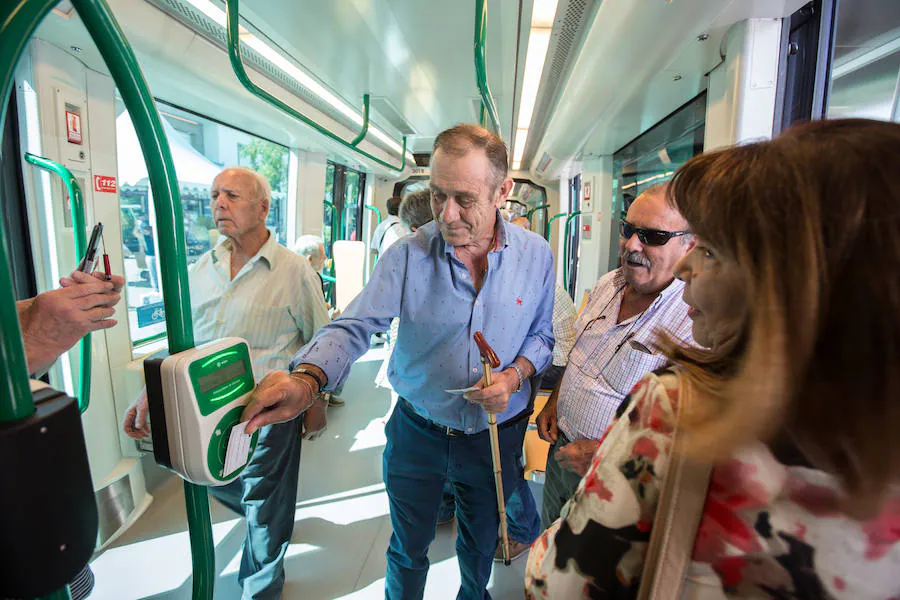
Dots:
(637, 257)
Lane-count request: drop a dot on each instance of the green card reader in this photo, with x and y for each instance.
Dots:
(196, 398)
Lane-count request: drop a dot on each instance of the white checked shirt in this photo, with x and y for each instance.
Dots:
(604, 363)
(563, 326)
(275, 302)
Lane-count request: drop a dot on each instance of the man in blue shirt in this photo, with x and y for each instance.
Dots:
(464, 272)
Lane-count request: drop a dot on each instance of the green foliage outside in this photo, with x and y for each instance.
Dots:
(269, 160)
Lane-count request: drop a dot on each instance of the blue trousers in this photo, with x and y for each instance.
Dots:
(266, 496)
(417, 461)
(522, 518)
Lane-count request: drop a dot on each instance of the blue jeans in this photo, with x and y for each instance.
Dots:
(523, 521)
(266, 495)
(417, 461)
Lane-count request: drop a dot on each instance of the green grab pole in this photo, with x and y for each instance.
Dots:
(566, 248)
(76, 203)
(328, 278)
(549, 225)
(374, 210)
(237, 64)
(62, 594)
(487, 99)
(365, 125)
(18, 20)
(122, 64)
(531, 212)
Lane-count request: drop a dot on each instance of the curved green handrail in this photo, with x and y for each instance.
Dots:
(487, 99)
(374, 210)
(531, 212)
(76, 203)
(365, 124)
(549, 224)
(237, 64)
(122, 64)
(18, 20)
(566, 247)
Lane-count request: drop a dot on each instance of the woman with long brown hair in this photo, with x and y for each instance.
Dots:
(794, 289)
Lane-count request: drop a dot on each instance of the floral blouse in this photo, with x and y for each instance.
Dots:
(768, 529)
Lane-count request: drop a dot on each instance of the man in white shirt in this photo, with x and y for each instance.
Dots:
(614, 347)
(252, 287)
(390, 230)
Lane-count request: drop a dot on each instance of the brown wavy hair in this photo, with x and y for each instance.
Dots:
(812, 218)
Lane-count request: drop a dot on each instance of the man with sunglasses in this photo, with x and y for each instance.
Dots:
(614, 343)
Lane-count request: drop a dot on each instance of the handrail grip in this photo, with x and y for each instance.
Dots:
(76, 203)
(549, 225)
(487, 99)
(365, 124)
(375, 210)
(566, 248)
(535, 209)
(237, 64)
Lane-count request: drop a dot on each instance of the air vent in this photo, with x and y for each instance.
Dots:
(215, 33)
(573, 20)
(389, 114)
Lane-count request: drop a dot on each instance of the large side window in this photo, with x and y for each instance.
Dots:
(866, 66)
(201, 148)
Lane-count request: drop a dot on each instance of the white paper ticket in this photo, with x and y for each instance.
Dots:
(238, 448)
(463, 390)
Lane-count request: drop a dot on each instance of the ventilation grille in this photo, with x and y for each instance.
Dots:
(212, 31)
(573, 19)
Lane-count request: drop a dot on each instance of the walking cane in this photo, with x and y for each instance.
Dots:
(490, 361)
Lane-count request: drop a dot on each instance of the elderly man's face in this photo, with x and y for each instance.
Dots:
(236, 209)
(464, 196)
(649, 269)
(318, 260)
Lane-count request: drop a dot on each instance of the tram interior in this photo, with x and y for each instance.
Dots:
(597, 101)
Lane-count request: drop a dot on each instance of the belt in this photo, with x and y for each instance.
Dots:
(449, 431)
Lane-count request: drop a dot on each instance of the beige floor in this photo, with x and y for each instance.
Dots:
(340, 536)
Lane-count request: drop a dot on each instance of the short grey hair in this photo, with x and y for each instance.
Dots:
(415, 210)
(261, 188)
(459, 140)
(307, 245)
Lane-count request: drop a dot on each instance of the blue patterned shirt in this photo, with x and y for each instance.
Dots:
(420, 280)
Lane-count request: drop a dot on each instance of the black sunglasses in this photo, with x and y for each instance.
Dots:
(648, 237)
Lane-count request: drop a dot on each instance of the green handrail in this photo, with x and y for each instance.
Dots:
(375, 210)
(76, 203)
(487, 99)
(530, 213)
(129, 79)
(365, 124)
(18, 20)
(566, 248)
(549, 225)
(237, 64)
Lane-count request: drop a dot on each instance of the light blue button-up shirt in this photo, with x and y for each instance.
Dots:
(420, 280)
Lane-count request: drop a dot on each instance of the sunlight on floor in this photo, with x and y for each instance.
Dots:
(345, 512)
(170, 556)
(293, 550)
(370, 437)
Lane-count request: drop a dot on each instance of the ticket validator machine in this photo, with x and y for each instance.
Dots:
(196, 398)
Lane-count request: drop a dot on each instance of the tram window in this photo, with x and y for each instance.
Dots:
(652, 158)
(201, 148)
(866, 66)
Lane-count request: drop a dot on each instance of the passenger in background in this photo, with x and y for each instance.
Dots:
(614, 347)
(252, 287)
(312, 248)
(466, 272)
(388, 231)
(792, 401)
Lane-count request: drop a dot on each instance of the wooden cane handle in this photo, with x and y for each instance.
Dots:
(487, 353)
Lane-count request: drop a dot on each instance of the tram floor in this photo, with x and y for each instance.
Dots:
(341, 531)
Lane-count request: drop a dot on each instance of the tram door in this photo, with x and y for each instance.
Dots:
(343, 212)
(572, 231)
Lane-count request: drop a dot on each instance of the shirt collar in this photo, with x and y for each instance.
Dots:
(500, 229)
(266, 253)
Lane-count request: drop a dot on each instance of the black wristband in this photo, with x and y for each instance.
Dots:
(304, 371)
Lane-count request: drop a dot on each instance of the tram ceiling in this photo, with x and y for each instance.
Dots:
(640, 61)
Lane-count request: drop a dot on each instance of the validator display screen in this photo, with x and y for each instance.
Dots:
(220, 376)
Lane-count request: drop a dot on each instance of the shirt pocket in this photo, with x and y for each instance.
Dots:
(628, 366)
